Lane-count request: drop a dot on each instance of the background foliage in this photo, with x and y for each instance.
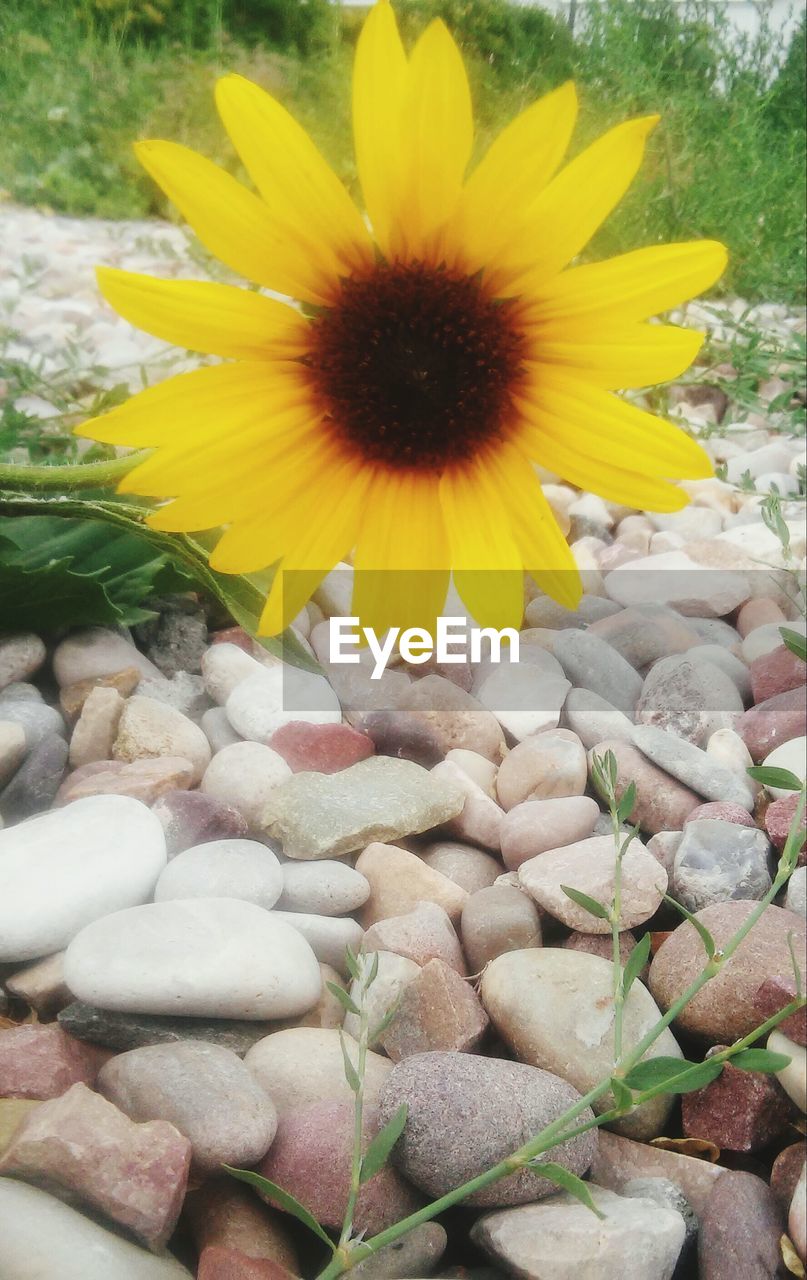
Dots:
(79, 79)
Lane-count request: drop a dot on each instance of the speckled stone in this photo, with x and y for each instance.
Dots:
(41, 1062)
(778, 820)
(20, 657)
(189, 818)
(776, 672)
(719, 861)
(149, 728)
(740, 1230)
(739, 1111)
(438, 1010)
(421, 935)
(470, 868)
(223, 1213)
(320, 748)
(550, 765)
(455, 717)
(589, 866)
(691, 699)
(716, 809)
(305, 1064)
(498, 919)
(465, 1113)
(534, 826)
(662, 803)
(772, 722)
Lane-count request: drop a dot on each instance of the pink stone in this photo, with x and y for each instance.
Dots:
(724, 810)
(218, 1262)
(776, 672)
(144, 780)
(43, 1061)
(191, 817)
(227, 1214)
(774, 993)
(320, 748)
(234, 635)
(786, 1171)
(82, 1145)
(438, 1011)
(739, 1111)
(778, 819)
(420, 935)
(772, 722)
(310, 1158)
(756, 613)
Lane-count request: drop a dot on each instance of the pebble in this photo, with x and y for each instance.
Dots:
(184, 692)
(189, 818)
(739, 1111)
(320, 748)
(85, 655)
(424, 934)
(41, 985)
(328, 936)
(149, 728)
(304, 1064)
(223, 1213)
(759, 612)
(634, 1239)
(600, 944)
(244, 776)
(790, 755)
(677, 580)
(740, 1230)
(224, 666)
(776, 672)
(691, 699)
(592, 718)
(73, 696)
(402, 735)
(772, 722)
(722, 657)
(772, 996)
(779, 818)
(311, 1157)
(693, 767)
(662, 803)
(217, 729)
(95, 730)
(41, 1062)
(766, 639)
(546, 767)
(176, 639)
(534, 826)
(669, 1196)
(786, 1170)
(124, 1031)
(643, 635)
(393, 975)
(498, 919)
(326, 1013)
(418, 1252)
(717, 811)
(13, 746)
(379, 799)
(480, 818)
(797, 1216)
(796, 895)
(720, 861)
(67, 868)
(468, 867)
(454, 717)
(793, 1077)
(438, 1010)
(38, 720)
(276, 696)
(619, 1161)
(524, 698)
(202, 1090)
(480, 770)
(43, 1237)
(554, 1009)
(200, 957)
(589, 866)
(591, 663)
(223, 869)
(84, 1147)
(144, 780)
(724, 1009)
(399, 881)
(324, 888)
(21, 656)
(36, 782)
(465, 1113)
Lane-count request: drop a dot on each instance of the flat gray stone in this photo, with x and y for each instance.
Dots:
(325, 815)
(591, 663)
(692, 766)
(720, 861)
(123, 1031)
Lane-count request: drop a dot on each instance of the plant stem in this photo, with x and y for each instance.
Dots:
(21, 478)
(616, 911)
(358, 1112)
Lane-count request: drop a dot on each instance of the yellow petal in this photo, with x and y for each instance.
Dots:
(545, 552)
(632, 286)
(232, 223)
(379, 81)
(436, 138)
(301, 191)
(402, 555)
(636, 357)
(513, 172)
(201, 316)
(565, 216)
(485, 559)
(604, 428)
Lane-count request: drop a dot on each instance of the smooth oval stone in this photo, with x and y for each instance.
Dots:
(67, 868)
(149, 728)
(693, 767)
(589, 866)
(592, 718)
(465, 1113)
(591, 663)
(36, 782)
(43, 1237)
(189, 818)
(497, 919)
(772, 722)
(554, 1008)
(20, 656)
(537, 825)
(468, 867)
(662, 803)
(13, 746)
(200, 957)
(393, 975)
(719, 861)
(325, 888)
(549, 765)
(244, 775)
(399, 881)
(740, 1230)
(793, 1077)
(36, 719)
(306, 1064)
(329, 937)
(223, 869)
(204, 1090)
(691, 699)
(725, 1009)
(790, 755)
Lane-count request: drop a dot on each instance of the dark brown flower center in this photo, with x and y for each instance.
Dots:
(415, 365)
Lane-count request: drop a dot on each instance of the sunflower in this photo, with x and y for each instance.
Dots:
(442, 347)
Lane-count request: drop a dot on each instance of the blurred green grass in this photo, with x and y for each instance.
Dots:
(81, 79)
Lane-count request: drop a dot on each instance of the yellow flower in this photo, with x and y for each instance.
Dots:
(444, 352)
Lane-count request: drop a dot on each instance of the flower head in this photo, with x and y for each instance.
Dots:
(443, 350)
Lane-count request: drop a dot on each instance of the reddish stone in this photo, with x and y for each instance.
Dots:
(234, 635)
(43, 1061)
(320, 748)
(786, 1172)
(773, 995)
(404, 735)
(739, 1111)
(776, 672)
(778, 818)
(438, 1010)
(723, 810)
(191, 817)
(224, 1213)
(772, 722)
(83, 1146)
(218, 1262)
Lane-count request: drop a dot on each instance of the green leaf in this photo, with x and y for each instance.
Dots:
(759, 1060)
(623, 1097)
(372, 974)
(351, 1075)
(352, 963)
(588, 904)
(284, 1198)
(636, 962)
(795, 641)
(705, 936)
(627, 804)
(567, 1182)
(672, 1075)
(773, 777)
(377, 1153)
(343, 998)
(381, 1027)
